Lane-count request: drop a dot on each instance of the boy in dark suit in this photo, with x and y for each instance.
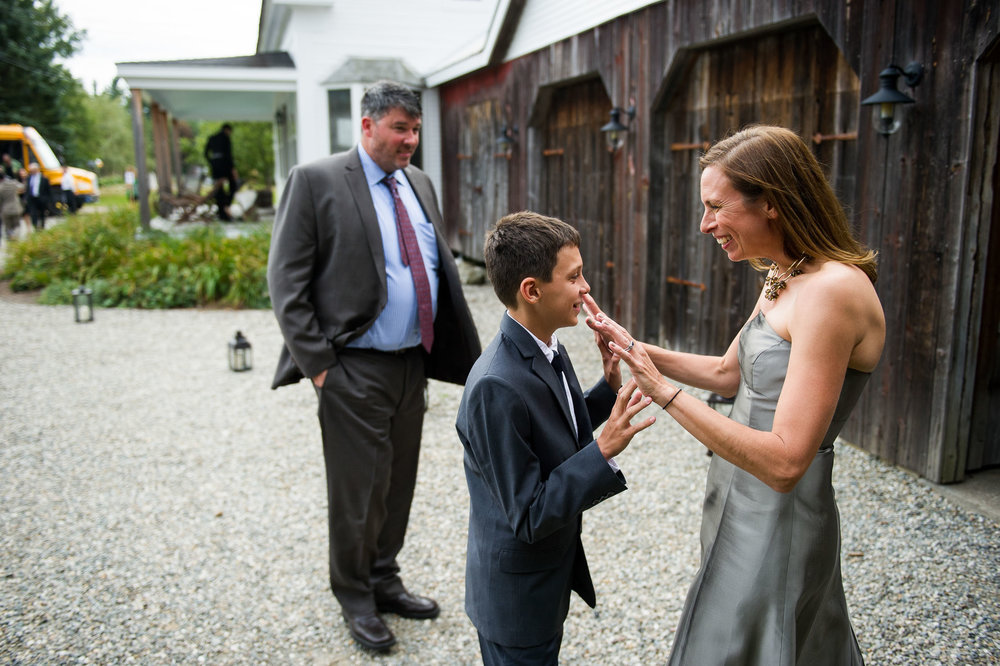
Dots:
(531, 461)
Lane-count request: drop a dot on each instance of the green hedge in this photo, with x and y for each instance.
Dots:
(126, 268)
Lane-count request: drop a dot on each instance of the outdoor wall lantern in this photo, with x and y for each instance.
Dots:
(83, 304)
(240, 353)
(887, 116)
(614, 131)
(505, 142)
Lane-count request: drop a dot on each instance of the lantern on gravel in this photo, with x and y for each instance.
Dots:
(83, 304)
(240, 353)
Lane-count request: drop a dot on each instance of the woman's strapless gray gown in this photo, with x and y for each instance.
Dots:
(769, 590)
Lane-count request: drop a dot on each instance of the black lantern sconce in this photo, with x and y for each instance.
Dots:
(240, 353)
(505, 142)
(83, 304)
(888, 97)
(614, 131)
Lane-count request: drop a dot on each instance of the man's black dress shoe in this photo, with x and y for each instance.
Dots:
(370, 631)
(408, 605)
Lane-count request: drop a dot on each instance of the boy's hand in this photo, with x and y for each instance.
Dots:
(619, 431)
(611, 363)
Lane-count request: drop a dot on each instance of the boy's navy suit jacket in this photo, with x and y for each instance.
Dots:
(530, 478)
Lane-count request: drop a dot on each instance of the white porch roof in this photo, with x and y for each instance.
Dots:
(238, 88)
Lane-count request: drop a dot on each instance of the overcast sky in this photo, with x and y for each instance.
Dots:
(130, 30)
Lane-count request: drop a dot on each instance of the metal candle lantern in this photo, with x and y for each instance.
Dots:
(240, 353)
(614, 131)
(888, 97)
(83, 304)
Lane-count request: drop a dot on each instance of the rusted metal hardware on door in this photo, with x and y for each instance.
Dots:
(845, 136)
(690, 146)
(687, 283)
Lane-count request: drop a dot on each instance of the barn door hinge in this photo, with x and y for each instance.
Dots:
(689, 146)
(686, 283)
(846, 136)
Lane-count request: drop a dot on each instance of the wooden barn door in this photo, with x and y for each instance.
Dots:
(984, 445)
(483, 176)
(984, 431)
(797, 79)
(577, 178)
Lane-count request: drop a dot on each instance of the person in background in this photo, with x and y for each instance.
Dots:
(11, 209)
(219, 153)
(769, 590)
(37, 196)
(368, 298)
(10, 169)
(130, 184)
(68, 190)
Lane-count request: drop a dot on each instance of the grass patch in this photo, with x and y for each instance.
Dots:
(115, 196)
(126, 268)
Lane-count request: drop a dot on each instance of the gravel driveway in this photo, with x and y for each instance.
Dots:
(157, 508)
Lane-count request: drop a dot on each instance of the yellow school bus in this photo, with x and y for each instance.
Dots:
(26, 145)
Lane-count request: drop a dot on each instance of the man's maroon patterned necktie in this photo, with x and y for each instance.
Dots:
(410, 251)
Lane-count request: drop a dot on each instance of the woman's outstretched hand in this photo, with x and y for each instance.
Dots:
(621, 345)
(610, 362)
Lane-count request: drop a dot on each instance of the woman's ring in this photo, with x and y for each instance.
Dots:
(630, 345)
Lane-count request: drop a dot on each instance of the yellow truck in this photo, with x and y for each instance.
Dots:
(26, 145)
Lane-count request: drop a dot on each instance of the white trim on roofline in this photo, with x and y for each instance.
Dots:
(474, 61)
(208, 78)
(541, 23)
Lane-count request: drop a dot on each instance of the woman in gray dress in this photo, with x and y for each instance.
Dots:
(769, 587)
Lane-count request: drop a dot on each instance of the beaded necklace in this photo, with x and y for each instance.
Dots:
(774, 283)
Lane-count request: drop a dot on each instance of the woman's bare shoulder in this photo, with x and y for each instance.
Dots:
(841, 282)
(841, 295)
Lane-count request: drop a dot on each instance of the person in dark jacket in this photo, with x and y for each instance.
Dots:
(368, 297)
(219, 153)
(37, 196)
(532, 462)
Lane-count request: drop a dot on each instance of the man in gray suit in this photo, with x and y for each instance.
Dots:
(369, 302)
(531, 462)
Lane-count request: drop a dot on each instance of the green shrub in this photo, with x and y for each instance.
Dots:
(126, 268)
(81, 248)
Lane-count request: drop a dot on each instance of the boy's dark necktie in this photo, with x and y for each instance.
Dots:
(578, 403)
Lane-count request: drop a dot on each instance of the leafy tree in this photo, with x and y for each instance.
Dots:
(37, 90)
(253, 152)
(78, 125)
(107, 134)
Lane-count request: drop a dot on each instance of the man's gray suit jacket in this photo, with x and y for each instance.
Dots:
(326, 272)
(530, 478)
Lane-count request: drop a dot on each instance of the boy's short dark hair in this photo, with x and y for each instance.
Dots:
(521, 245)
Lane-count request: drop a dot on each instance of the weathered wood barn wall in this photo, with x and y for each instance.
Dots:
(695, 71)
